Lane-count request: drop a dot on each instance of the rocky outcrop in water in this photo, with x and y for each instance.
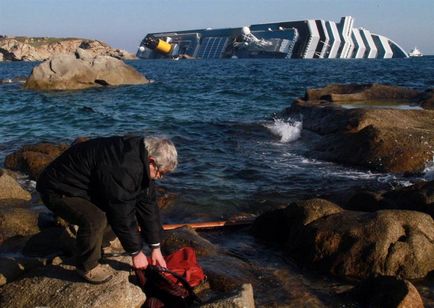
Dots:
(43, 48)
(32, 159)
(346, 93)
(81, 71)
(354, 244)
(381, 139)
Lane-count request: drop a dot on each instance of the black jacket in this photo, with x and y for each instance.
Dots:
(112, 173)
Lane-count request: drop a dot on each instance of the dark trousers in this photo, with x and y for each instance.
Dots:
(92, 226)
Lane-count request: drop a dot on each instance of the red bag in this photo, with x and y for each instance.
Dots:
(161, 291)
(172, 287)
(184, 263)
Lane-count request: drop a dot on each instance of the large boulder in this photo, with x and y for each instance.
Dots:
(33, 159)
(356, 244)
(60, 286)
(82, 71)
(10, 189)
(386, 140)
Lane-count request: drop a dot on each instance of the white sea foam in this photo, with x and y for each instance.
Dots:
(429, 170)
(288, 130)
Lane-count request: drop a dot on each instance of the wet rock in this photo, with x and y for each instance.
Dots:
(32, 159)
(357, 244)
(386, 140)
(387, 291)
(10, 189)
(60, 286)
(226, 273)
(242, 298)
(427, 99)
(70, 72)
(417, 197)
(361, 93)
(187, 236)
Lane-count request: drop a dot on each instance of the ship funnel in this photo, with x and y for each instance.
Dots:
(158, 44)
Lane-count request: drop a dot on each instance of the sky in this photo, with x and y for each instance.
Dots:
(124, 23)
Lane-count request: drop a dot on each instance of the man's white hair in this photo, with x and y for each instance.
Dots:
(163, 151)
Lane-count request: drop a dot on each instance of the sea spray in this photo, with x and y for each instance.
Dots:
(288, 130)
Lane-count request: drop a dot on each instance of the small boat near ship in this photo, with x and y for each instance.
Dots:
(415, 52)
(305, 39)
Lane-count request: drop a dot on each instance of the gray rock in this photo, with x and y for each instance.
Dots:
(81, 71)
(243, 298)
(60, 286)
(10, 189)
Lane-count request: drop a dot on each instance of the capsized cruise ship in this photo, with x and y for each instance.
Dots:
(306, 39)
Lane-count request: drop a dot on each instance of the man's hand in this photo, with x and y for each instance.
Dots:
(140, 261)
(157, 257)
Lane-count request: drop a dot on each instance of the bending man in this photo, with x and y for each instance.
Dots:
(107, 182)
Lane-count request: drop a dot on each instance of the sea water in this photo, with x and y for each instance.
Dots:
(236, 154)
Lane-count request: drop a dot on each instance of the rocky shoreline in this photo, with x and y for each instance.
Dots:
(380, 243)
(43, 48)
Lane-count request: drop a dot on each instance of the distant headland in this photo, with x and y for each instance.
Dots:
(22, 48)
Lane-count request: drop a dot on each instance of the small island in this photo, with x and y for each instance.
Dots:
(22, 48)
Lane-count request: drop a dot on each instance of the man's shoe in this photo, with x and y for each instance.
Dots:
(99, 274)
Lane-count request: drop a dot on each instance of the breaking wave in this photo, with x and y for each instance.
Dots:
(288, 130)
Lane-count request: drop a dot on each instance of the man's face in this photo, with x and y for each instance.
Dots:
(154, 171)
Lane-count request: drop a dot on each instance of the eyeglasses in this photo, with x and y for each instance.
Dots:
(158, 173)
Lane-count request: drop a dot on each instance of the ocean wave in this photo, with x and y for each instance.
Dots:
(288, 130)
